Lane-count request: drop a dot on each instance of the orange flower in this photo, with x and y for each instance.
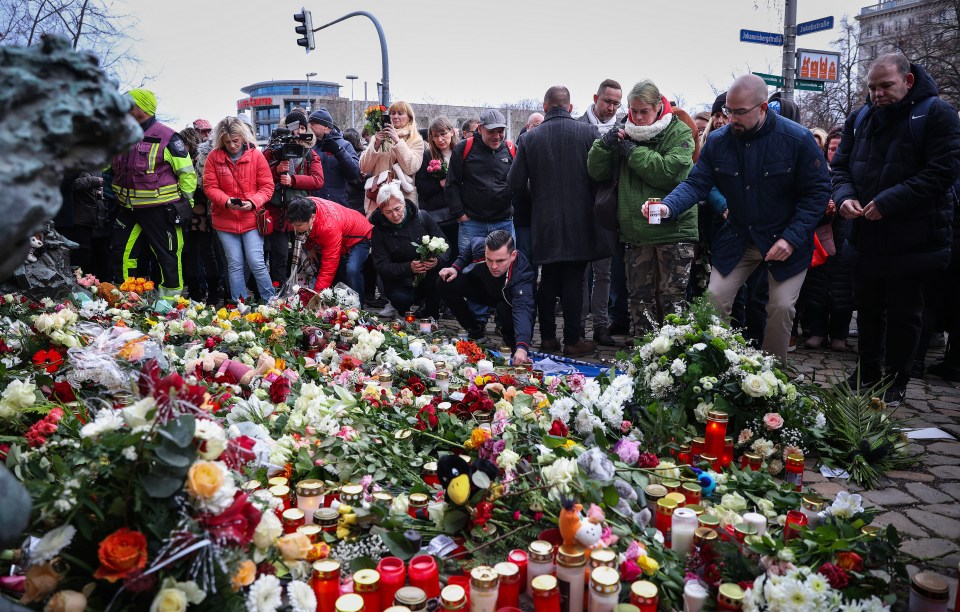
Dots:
(204, 479)
(477, 438)
(121, 553)
(850, 561)
(246, 572)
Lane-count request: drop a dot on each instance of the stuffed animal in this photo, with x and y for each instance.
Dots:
(109, 293)
(591, 528)
(227, 370)
(35, 243)
(569, 521)
(460, 480)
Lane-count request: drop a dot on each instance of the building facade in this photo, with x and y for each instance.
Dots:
(269, 102)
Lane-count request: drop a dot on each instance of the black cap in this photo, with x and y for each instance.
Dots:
(295, 116)
(719, 103)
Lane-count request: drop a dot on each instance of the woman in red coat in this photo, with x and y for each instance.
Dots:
(237, 182)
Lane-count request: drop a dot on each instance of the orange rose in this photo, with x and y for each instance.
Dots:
(41, 581)
(294, 546)
(121, 553)
(204, 479)
(246, 573)
(850, 561)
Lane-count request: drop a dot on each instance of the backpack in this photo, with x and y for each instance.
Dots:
(466, 148)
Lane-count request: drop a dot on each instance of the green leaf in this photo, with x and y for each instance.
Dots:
(399, 545)
(610, 496)
(179, 430)
(454, 521)
(161, 486)
(362, 563)
(175, 456)
(553, 442)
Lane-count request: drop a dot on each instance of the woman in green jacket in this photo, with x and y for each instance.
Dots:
(655, 152)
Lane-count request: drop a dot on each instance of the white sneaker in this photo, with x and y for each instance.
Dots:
(389, 312)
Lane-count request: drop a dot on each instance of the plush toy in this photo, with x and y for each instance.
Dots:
(591, 528)
(109, 293)
(569, 521)
(460, 480)
(225, 369)
(35, 243)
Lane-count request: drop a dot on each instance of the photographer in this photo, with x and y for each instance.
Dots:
(341, 162)
(297, 172)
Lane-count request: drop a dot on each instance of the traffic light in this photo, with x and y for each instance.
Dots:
(306, 30)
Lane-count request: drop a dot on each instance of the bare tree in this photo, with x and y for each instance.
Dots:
(837, 100)
(932, 38)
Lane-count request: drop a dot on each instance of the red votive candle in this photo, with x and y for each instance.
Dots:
(366, 583)
(726, 458)
(795, 520)
(546, 593)
(326, 584)
(519, 558)
(716, 432)
(509, 594)
(393, 575)
(425, 575)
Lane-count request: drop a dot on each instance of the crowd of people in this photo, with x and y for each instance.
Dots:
(616, 217)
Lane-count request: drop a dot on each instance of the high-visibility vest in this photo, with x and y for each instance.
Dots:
(141, 176)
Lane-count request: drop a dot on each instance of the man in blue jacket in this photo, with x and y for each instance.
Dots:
(500, 277)
(777, 187)
(341, 162)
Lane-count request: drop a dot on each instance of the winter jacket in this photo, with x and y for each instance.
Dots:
(430, 192)
(517, 290)
(477, 186)
(86, 202)
(309, 177)
(880, 163)
(407, 155)
(248, 179)
(392, 247)
(553, 158)
(336, 230)
(341, 164)
(776, 184)
(654, 168)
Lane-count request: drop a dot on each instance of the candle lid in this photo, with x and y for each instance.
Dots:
(327, 569)
(708, 520)
(279, 490)
(571, 556)
(680, 498)
(697, 508)
(699, 440)
(603, 557)
(870, 530)
(251, 485)
(704, 534)
(655, 490)
(403, 434)
(813, 503)
(410, 596)
(745, 529)
(930, 585)
(351, 489)
(293, 514)
(366, 580)
(752, 456)
(277, 481)
(419, 500)
(430, 467)
(708, 458)
(731, 591)
(794, 458)
(544, 582)
(692, 487)
(644, 589)
(383, 497)
(507, 570)
(324, 515)
(385, 378)
(666, 503)
(717, 415)
(397, 609)
(670, 483)
(443, 375)
(310, 531)
(540, 551)
(483, 577)
(605, 580)
(351, 602)
(309, 488)
(626, 608)
(453, 595)
(685, 447)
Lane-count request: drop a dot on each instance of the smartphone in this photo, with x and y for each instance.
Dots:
(386, 120)
(236, 202)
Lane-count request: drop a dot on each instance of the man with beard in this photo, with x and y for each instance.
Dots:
(777, 187)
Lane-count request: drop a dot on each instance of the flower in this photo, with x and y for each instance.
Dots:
(268, 530)
(301, 596)
(18, 395)
(773, 421)
(169, 599)
(264, 595)
(628, 450)
(245, 574)
(66, 601)
(850, 561)
(51, 544)
(560, 474)
(846, 505)
(294, 546)
(121, 553)
(508, 460)
(205, 478)
(135, 414)
(106, 420)
(836, 576)
(50, 360)
(235, 525)
(754, 385)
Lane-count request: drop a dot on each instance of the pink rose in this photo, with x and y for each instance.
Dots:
(773, 421)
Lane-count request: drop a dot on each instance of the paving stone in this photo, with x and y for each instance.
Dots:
(901, 522)
(931, 459)
(927, 494)
(830, 489)
(945, 448)
(940, 525)
(939, 419)
(950, 509)
(915, 476)
(951, 488)
(941, 404)
(946, 472)
(889, 497)
(926, 548)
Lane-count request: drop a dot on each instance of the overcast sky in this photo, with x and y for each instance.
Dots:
(199, 53)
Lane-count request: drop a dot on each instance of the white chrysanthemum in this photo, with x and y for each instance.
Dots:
(264, 594)
(215, 437)
(846, 505)
(301, 597)
(612, 414)
(678, 367)
(507, 460)
(106, 420)
(586, 421)
(136, 414)
(51, 544)
(562, 409)
(661, 382)
(699, 346)
(821, 421)
(231, 337)
(560, 473)
(762, 447)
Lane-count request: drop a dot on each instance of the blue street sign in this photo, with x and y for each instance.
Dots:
(809, 27)
(761, 38)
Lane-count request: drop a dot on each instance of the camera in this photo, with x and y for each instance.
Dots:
(286, 144)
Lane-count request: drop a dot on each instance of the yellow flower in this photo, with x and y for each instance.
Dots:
(204, 479)
(222, 313)
(280, 365)
(224, 325)
(294, 546)
(477, 438)
(235, 314)
(181, 301)
(246, 573)
(569, 444)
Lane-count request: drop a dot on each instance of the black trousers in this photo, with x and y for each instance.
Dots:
(138, 232)
(478, 288)
(276, 247)
(403, 294)
(564, 280)
(889, 314)
(203, 268)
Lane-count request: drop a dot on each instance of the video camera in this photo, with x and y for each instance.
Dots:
(286, 143)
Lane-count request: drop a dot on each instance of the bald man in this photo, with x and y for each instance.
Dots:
(777, 187)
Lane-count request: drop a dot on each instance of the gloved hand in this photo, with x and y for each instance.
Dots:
(626, 147)
(329, 145)
(611, 138)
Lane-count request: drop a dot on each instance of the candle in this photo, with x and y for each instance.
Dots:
(326, 584)
(443, 381)
(696, 448)
(684, 455)
(726, 457)
(794, 470)
(412, 598)
(312, 532)
(757, 520)
(751, 460)
(424, 573)
(692, 493)
(682, 527)
(704, 537)
(742, 530)
(393, 575)
(309, 497)
(366, 583)
(664, 522)
(484, 588)
(678, 497)
(386, 380)
(716, 432)
(519, 558)
(417, 507)
(409, 318)
(604, 589)
(539, 561)
(795, 520)
(351, 602)
(929, 592)
(509, 593)
(429, 474)
(570, 565)
(426, 326)
(730, 596)
(811, 505)
(644, 595)
(281, 492)
(291, 519)
(546, 594)
(484, 366)
(712, 460)
(453, 597)
(654, 492)
(694, 596)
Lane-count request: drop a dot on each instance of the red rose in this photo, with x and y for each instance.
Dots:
(416, 385)
(235, 525)
(850, 561)
(239, 452)
(648, 461)
(836, 576)
(63, 392)
(630, 571)
(559, 428)
(122, 554)
(279, 390)
(427, 418)
(210, 343)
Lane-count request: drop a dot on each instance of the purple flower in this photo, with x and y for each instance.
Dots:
(628, 450)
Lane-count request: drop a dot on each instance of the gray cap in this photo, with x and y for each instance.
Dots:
(492, 119)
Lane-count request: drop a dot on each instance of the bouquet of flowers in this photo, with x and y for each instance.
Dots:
(374, 118)
(428, 248)
(437, 168)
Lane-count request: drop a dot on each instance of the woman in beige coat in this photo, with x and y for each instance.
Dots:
(398, 146)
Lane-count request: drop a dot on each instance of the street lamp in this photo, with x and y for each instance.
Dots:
(309, 106)
(353, 79)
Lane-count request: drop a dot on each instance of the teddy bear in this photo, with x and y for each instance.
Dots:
(224, 369)
(35, 243)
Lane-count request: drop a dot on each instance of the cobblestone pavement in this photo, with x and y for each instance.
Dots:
(922, 503)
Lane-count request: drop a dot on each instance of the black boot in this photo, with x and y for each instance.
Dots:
(949, 368)
(602, 336)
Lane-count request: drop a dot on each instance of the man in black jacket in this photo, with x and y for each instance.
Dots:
(552, 160)
(897, 159)
(500, 277)
(341, 162)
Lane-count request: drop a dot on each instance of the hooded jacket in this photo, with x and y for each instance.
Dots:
(248, 179)
(341, 165)
(392, 247)
(880, 163)
(336, 230)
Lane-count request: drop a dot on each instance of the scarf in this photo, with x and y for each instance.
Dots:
(602, 127)
(643, 133)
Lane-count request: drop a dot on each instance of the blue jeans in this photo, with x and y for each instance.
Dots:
(242, 251)
(350, 271)
(524, 240)
(471, 229)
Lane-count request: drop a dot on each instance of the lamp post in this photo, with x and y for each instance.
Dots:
(309, 101)
(353, 120)
(385, 62)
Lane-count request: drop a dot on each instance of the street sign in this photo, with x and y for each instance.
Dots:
(808, 85)
(761, 38)
(815, 65)
(817, 25)
(770, 79)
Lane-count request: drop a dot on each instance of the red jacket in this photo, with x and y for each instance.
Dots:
(248, 179)
(306, 182)
(336, 230)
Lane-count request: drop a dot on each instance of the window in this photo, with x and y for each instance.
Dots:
(873, 52)
(269, 113)
(896, 25)
(880, 29)
(868, 31)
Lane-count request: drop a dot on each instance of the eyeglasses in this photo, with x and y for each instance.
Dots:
(739, 112)
(610, 102)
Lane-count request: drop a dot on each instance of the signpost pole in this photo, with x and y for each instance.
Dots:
(789, 48)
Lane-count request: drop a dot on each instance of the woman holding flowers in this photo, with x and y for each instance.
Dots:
(397, 147)
(408, 248)
(431, 178)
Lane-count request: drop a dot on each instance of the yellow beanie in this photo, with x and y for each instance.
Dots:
(144, 99)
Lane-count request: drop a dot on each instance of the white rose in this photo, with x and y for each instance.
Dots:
(661, 345)
(400, 505)
(169, 600)
(231, 337)
(20, 394)
(508, 460)
(425, 240)
(754, 386)
(268, 530)
(136, 414)
(678, 367)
